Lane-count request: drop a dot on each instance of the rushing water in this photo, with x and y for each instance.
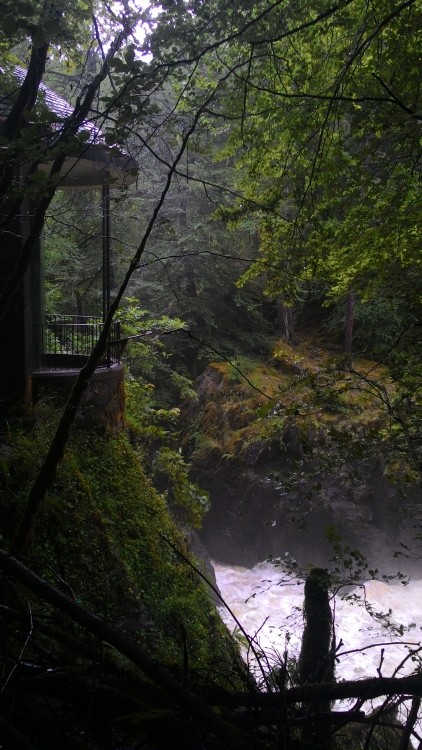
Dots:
(271, 614)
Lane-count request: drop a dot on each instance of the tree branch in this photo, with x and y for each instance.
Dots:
(48, 469)
(70, 129)
(229, 736)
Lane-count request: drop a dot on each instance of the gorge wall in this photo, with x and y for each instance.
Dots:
(283, 471)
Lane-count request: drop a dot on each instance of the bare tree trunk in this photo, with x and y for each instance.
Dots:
(190, 283)
(348, 328)
(285, 321)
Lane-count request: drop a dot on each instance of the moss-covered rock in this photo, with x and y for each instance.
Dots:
(295, 446)
(107, 536)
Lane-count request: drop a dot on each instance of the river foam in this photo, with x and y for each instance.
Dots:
(271, 614)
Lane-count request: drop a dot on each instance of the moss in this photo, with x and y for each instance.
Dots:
(323, 406)
(105, 534)
(212, 419)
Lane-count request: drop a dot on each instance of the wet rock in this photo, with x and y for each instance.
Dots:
(254, 515)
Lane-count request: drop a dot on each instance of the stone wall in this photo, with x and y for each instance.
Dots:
(103, 403)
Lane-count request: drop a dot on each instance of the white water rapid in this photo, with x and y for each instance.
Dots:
(272, 614)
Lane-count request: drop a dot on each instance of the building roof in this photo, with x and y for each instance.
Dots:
(97, 164)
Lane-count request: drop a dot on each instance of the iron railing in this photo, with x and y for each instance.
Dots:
(65, 342)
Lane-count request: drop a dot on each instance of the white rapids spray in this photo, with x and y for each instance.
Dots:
(272, 615)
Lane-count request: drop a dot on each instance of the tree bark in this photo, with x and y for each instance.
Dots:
(28, 91)
(367, 689)
(316, 663)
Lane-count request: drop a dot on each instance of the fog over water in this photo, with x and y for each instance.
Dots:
(273, 614)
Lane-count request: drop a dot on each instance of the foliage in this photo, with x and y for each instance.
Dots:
(62, 23)
(378, 323)
(153, 432)
(109, 536)
(314, 110)
(332, 412)
(329, 154)
(146, 352)
(72, 251)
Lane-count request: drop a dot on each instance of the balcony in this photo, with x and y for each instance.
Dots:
(61, 347)
(64, 342)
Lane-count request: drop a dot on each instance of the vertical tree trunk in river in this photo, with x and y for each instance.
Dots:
(316, 660)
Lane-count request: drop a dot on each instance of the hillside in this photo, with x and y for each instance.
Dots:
(295, 446)
(107, 541)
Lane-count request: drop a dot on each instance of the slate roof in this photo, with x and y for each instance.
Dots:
(99, 163)
(54, 103)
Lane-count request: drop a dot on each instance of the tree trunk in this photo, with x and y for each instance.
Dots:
(316, 663)
(285, 321)
(189, 281)
(348, 327)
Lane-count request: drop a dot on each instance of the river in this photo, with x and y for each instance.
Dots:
(271, 614)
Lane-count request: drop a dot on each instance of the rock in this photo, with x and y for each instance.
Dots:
(280, 474)
(254, 516)
(203, 559)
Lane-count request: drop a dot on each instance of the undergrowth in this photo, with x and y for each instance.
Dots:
(303, 390)
(106, 536)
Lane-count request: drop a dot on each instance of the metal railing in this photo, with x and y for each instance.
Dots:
(65, 342)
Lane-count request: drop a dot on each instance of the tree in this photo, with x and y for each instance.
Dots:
(330, 152)
(131, 77)
(212, 54)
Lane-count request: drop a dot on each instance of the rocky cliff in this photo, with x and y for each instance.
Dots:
(295, 451)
